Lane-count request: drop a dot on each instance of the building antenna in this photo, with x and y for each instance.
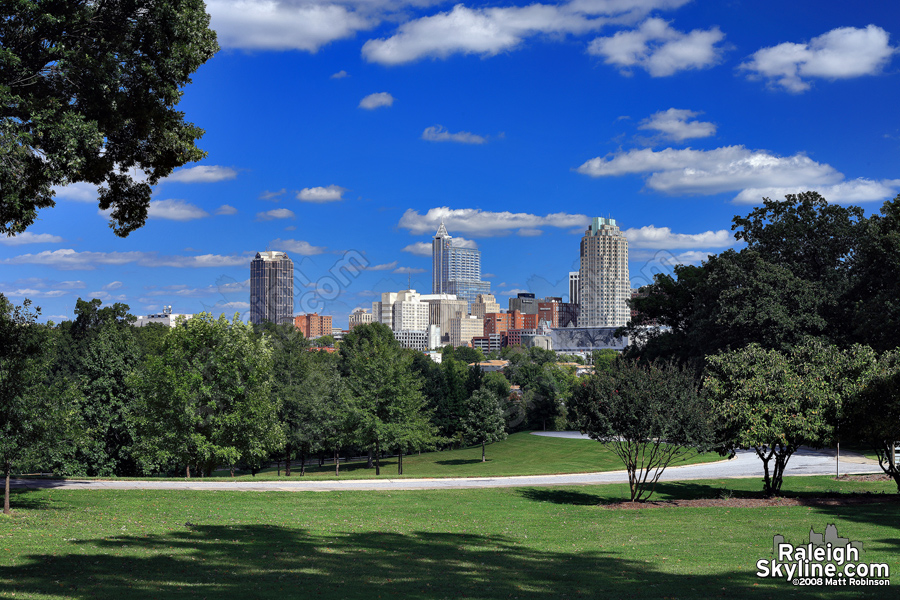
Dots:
(408, 278)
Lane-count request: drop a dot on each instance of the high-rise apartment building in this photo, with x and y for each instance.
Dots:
(271, 288)
(456, 270)
(360, 316)
(573, 287)
(485, 303)
(604, 285)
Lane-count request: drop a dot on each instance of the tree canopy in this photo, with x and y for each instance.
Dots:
(88, 93)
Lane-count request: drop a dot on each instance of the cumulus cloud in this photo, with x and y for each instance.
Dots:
(662, 238)
(340, 74)
(69, 259)
(529, 232)
(174, 210)
(841, 53)
(31, 293)
(419, 249)
(483, 223)
(277, 213)
(437, 133)
(660, 49)
(300, 247)
(688, 257)
(283, 24)
(77, 192)
(331, 193)
(226, 209)
(852, 191)
(409, 270)
(678, 124)
(30, 238)
(464, 30)
(753, 173)
(202, 174)
(112, 285)
(377, 100)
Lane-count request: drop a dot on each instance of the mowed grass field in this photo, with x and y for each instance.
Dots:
(526, 543)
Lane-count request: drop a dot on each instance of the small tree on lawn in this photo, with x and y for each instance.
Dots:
(774, 403)
(484, 422)
(872, 417)
(649, 415)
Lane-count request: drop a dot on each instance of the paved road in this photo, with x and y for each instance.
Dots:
(745, 464)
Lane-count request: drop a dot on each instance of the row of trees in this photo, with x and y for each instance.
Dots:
(790, 341)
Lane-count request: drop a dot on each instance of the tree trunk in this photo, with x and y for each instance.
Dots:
(369, 462)
(377, 459)
(6, 492)
(400, 462)
(482, 451)
(337, 462)
(302, 460)
(232, 469)
(287, 461)
(187, 472)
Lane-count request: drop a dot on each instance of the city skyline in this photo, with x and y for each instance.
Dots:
(358, 127)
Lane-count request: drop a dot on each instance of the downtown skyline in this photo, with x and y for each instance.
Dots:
(358, 126)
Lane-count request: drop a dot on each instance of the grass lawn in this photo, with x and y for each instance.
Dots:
(520, 454)
(527, 543)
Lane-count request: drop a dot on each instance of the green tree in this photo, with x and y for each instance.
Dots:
(775, 402)
(389, 409)
(206, 400)
(291, 391)
(649, 414)
(872, 416)
(32, 416)
(484, 422)
(88, 92)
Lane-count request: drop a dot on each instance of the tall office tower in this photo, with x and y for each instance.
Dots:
(604, 283)
(271, 288)
(456, 270)
(359, 316)
(573, 287)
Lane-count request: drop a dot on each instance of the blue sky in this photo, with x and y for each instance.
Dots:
(355, 126)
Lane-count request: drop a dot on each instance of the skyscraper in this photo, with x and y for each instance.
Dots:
(456, 270)
(604, 285)
(271, 288)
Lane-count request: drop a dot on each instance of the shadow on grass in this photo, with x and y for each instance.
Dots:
(563, 497)
(460, 461)
(263, 561)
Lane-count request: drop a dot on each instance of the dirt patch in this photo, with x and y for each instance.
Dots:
(842, 500)
(870, 477)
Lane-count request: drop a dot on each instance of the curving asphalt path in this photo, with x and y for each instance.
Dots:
(745, 464)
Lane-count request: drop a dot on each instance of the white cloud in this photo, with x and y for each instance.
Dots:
(201, 174)
(226, 209)
(331, 193)
(659, 49)
(297, 247)
(409, 270)
(175, 210)
(30, 238)
(282, 24)
(438, 133)
(483, 223)
(854, 190)
(515, 292)
(69, 259)
(419, 249)
(841, 53)
(689, 257)
(713, 171)
(377, 100)
(277, 213)
(31, 293)
(385, 267)
(662, 238)
(267, 195)
(463, 30)
(340, 74)
(234, 305)
(113, 285)
(678, 124)
(77, 192)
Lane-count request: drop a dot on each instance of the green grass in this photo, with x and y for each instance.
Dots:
(520, 454)
(526, 543)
